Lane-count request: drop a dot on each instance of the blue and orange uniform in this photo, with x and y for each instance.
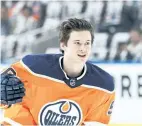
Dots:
(53, 98)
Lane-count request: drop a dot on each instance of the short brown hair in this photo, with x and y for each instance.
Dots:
(74, 24)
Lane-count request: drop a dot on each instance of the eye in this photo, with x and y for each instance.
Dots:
(77, 43)
(87, 43)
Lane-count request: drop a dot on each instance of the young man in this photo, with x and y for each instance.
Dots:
(64, 89)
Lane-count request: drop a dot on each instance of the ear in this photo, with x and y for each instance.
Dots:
(62, 46)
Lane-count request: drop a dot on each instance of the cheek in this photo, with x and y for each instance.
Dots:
(89, 48)
(70, 50)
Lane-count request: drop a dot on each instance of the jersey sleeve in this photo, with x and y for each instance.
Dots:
(20, 113)
(103, 112)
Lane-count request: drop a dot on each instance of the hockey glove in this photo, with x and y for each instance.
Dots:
(12, 89)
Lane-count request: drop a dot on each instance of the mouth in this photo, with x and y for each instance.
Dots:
(82, 56)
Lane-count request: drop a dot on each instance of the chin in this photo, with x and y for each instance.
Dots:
(83, 60)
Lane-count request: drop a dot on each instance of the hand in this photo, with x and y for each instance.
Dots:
(12, 89)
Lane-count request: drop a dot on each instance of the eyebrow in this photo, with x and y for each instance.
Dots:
(79, 40)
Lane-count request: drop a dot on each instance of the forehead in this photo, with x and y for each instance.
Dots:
(80, 35)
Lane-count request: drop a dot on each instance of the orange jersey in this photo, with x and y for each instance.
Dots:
(53, 98)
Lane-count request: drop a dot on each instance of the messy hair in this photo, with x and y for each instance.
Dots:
(74, 24)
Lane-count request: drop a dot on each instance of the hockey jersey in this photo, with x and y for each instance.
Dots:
(53, 98)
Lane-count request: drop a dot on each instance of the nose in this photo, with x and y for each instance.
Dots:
(82, 47)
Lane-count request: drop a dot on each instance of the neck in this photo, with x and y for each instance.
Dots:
(71, 68)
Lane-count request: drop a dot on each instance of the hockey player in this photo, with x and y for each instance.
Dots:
(63, 89)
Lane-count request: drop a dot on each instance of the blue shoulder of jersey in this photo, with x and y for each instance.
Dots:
(44, 64)
(48, 65)
(99, 78)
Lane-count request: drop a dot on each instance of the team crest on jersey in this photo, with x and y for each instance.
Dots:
(62, 112)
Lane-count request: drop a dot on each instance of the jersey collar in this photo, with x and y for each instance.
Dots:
(78, 78)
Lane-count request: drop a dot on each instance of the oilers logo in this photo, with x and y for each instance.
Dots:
(62, 112)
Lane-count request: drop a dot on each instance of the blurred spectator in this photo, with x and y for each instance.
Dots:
(135, 46)
(118, 16)
(140, 14)
(13, 8)
(106, 16)
(122, 53)
(25, 21)
(110, 16)
(103, 13)
(42, 14)
(39, 12)
(129, 18)
(84, 6)
(5, 23)
(101, 25)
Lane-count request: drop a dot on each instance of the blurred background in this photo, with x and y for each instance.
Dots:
(31, 27)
